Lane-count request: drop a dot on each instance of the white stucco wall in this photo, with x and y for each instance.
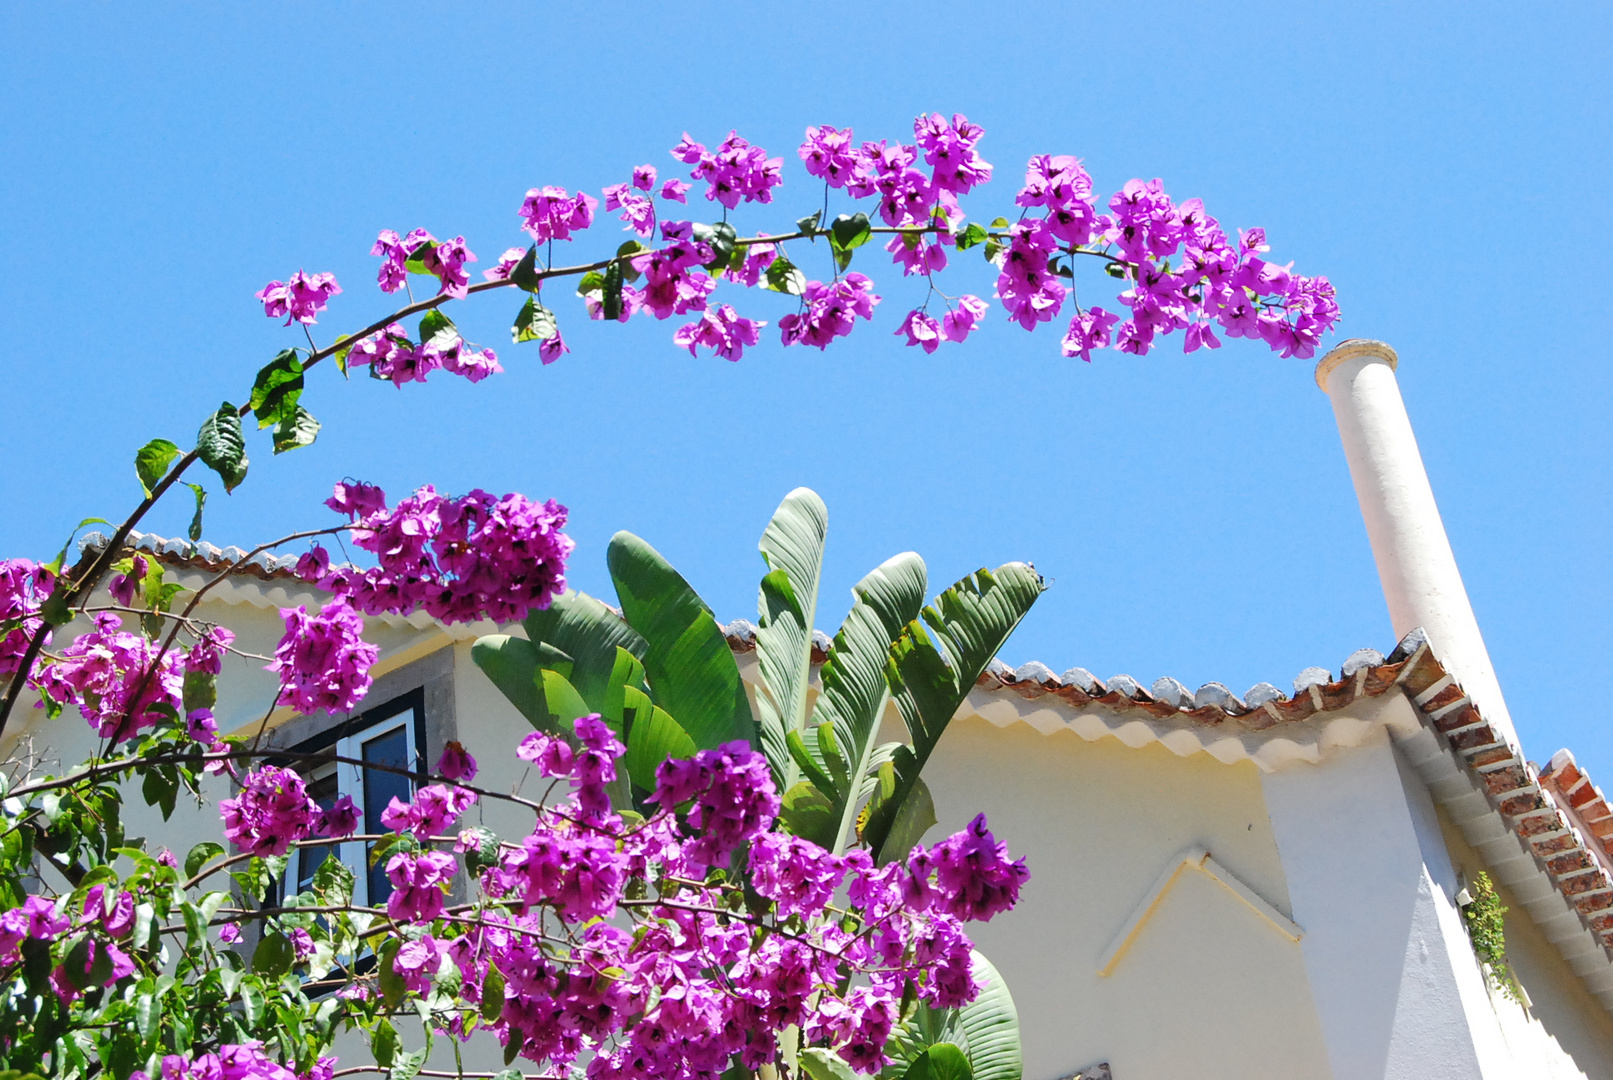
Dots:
(1209, 989)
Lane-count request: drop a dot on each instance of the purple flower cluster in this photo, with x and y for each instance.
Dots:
(660, 973)
(430, 812)
(736, 170)
(300, 299)
(472, 557)
(590, 766)
(973, 878)
(1212, 283)
(830, 312)
(923, 330)
(722, 330)
(638, 210)
(37, 918)
(444, 259)
(322, 660)
(206, 656)
(418, 881)
(731, 797)
(391, 355)
(1027, 288)
(272, 812)
(674, 283)
(24, 586)
(102, 671)
(550, 213)
(456, 762)
(234, 1061)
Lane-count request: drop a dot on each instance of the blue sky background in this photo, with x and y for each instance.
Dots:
(1447, 165)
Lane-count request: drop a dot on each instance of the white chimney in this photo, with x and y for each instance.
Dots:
(1415, 564)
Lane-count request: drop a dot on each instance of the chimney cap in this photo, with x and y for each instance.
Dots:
(1349, 350)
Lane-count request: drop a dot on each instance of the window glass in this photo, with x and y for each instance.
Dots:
(390, 749)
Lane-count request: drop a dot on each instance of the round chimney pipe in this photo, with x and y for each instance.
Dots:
(1421, 583)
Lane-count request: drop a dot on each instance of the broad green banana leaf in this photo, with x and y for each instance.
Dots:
(792, 547)
(692, 674)
(930, 678)
(589, 633)
(855, 688)
(515, 666)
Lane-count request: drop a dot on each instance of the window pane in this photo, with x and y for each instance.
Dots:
(392, 750)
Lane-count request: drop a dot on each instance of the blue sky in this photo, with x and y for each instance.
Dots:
(1443, 164)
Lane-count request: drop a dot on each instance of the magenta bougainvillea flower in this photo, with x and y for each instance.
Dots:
(300, 299)
(322, 660)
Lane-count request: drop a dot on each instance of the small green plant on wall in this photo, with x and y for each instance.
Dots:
(1486, 929)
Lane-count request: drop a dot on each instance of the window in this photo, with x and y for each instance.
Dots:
(391, 735)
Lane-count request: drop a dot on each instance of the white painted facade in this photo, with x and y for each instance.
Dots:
(1205, 901)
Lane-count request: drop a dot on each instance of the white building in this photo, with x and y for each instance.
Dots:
(1221, 887)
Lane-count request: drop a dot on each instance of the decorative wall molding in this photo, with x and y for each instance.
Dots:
(1194, 858)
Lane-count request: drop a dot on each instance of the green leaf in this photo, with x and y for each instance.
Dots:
(200, 856)
(438, 330)
(591, 282)
(611, 302)
(277, 388)
(783, 277)
(151, 462)
(146, 1016)
(629, 247)
(930, 678)
(721, 238)
(809, 224)
(691, 670)
(855, 689)
(273, 956)
(821, 1063)
(393, 988)
(200, 691)
(492, 994)
(562, 701)
(589, 634)
(533, 322)
(808, 813)
(512, 665)
(625, 674)
(253, 1002)
(415, 260)
(407, 1065)
(941, 1061)
(340, 355)
(653, 737)
(222, 447)
(993, 248)
(195, 531)
(384, 1043)
(813, 771)
(524, 275)
(333, 881)
(850, 231)
(970, 237)
(913, 818)
(484, 854)
(990, 1026)
(296, 428)
(792, 548)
